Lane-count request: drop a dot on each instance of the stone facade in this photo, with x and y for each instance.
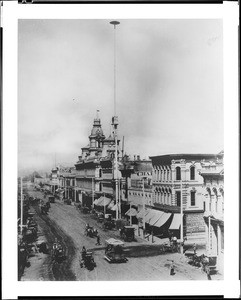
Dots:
(176, 177)
(213, 199)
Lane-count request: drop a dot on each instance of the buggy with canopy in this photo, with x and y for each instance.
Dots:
(114, 252)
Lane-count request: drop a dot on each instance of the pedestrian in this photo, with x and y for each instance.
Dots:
(172, 271)
(194, 249)
(98, 240)
(83, 253)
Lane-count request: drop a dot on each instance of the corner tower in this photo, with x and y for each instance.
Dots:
(96, 138)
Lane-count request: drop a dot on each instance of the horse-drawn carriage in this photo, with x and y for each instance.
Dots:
(51, 199)
(114, 252)
(58, 253)
(100, 217)
(109, 224)
(30, 234)
(170, 246)
(90, 231)
(127, 233)
(85, 209)
(67, 201)
(44, 209)
(207, 263)
(87, 260)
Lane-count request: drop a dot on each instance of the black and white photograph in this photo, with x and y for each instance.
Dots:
(120, 150)
(120, 158)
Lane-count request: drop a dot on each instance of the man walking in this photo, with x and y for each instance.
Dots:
(98, 240)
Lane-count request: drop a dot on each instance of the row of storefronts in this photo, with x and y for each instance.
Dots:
(159, 184)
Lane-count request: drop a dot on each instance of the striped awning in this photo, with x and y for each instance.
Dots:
(176, 222)
(132, 212)
(156, 217)
(162, 220)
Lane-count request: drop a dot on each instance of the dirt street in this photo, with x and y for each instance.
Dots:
(67, 223)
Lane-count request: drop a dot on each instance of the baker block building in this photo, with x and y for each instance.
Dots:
(176, 178)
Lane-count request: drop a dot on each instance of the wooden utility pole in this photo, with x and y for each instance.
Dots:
(21, 191)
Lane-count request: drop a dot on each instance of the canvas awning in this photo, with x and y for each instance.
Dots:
(140, 213)
(132, 212)
(152, 216)
(114, 207)
(176, 222)
(156, 216)
(162, 220)
(111, 204)
(95, 202)
(103, 201)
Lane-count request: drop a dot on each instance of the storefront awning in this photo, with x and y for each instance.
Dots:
(132, 212)
(155, 217)
(140, 213)
(103, 201)
(162, 220)
(114, 207)
(96, 201)
(111, 204)
(176, 222)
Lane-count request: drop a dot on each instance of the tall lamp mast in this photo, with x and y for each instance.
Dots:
(115, 124)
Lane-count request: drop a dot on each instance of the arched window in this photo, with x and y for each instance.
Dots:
(216, 199)
(178, 173)
(192, 173)
(210, 200)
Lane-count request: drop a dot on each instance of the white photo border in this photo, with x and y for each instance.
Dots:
(12, 11)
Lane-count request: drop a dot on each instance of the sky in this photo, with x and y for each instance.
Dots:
(169, 87)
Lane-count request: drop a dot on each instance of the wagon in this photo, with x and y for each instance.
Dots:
(114, 252)
(208, 263)
(51, 199)
(85, 210)
(90, 231)
(44, 209)
(127, 233)
(58, 253)
(87, 261)
(170, 247)
(67, 201)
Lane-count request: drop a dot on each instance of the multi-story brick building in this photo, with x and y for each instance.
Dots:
(176, 178)
(213, 199)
